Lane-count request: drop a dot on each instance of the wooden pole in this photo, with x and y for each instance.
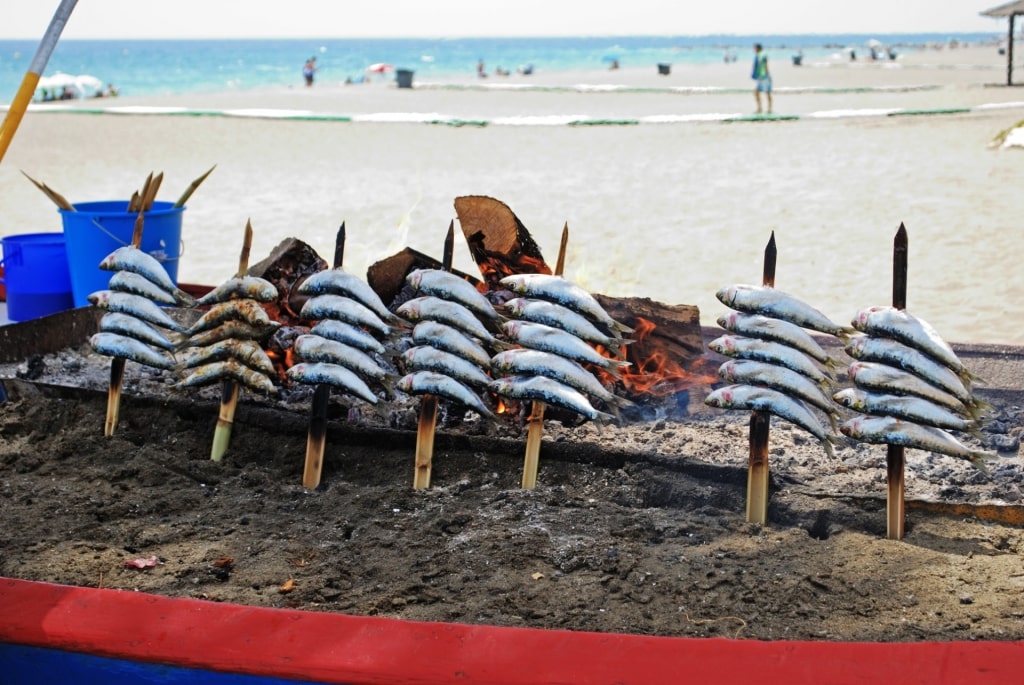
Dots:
(31, 79)
(428, 405)
(895, 504)
(192, 188)
(760, 424)
(1009, 53)
(535, 426)
(117, 363)
(229, 389)
(316, 437)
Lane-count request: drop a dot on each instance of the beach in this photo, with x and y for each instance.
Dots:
(672, 203)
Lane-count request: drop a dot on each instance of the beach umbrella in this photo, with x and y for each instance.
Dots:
(380, 68)
(19, 103)
(88, 84)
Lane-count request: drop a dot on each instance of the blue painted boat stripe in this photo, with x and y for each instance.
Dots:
(22, 665)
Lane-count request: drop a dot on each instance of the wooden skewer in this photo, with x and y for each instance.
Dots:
(535, 424)
(895, 504)
(760, 424)
(192, 188)
(229, 389)
(54, 196)
(151, 191)
(427, 426)
(316, 437)
(117, 363)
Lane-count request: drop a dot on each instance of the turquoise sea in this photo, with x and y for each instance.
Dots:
(159, 67)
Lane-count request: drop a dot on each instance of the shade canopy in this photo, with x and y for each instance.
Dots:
(1011, 10)
(1006, 10)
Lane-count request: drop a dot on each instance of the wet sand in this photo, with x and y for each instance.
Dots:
(672, 211)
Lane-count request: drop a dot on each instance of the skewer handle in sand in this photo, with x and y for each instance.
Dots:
(895, 458)
(760, 425)
(428, 404)
(229, 392)
(117, 363)
(535, 425)
(316, 436)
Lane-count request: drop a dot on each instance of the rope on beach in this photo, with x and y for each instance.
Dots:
(523, 120)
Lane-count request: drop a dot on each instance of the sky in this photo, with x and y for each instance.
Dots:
(459, 18)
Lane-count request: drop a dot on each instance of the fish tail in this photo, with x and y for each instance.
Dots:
(501, 345)
(828, 443)
(388, 383)
(833, 365)
(969, 377)
(183, 299)
(980, 461)
(606, 417)
(846, 333)
(622, 328)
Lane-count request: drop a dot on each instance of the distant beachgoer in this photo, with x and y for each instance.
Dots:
(762, 77)
(111, 90)
(614, 65)
(480, 71)
(308, 70)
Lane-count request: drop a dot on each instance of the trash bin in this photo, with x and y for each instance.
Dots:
(404, 78)
(664, 69)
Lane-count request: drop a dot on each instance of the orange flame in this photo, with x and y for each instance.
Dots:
(653, 371)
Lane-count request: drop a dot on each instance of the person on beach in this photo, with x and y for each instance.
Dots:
(308, 69)
(762, 78)
(480, 72)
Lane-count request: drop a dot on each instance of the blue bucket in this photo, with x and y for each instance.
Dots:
(95, 229)
(36, 275)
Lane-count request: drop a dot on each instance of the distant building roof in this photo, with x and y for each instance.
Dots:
(1005, 10)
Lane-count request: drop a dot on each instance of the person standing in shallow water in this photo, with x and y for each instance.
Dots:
(763, 79)
(308, 70)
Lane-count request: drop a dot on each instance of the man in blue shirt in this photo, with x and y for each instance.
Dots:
(762, 78)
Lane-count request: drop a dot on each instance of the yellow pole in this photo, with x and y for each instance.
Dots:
(28, 84)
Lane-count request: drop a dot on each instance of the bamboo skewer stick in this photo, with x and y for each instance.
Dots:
(229, 389)
(895, 505)
(54, 196)
(117, 363)
(316, 437)
(760, 425)
(535, 424)
(192, 188)
(427, 426)
(149, 196)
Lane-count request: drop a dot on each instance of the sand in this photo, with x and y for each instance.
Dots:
(672, 211)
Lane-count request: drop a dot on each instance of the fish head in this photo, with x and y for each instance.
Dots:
(727, 371)
(99, 298)
(854, 428)
(405, 383)
(409, 310)
(499, 385)
(727, 295)
(515, 283)
(728, 321)
(853, 369)
(849, 398)
(721, 398)
(855, 347)
(725, 344)
(512, 328)
(414, 279)
(516, 306)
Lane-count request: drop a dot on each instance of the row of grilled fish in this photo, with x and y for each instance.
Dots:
(463, 346)
(910, 385)
(342, 350)
(907, 379)
(222, 344)
(776, 365)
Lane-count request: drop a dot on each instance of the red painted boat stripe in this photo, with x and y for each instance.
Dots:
(336, 648)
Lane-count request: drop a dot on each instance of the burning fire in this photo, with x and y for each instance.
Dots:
(654, 373)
